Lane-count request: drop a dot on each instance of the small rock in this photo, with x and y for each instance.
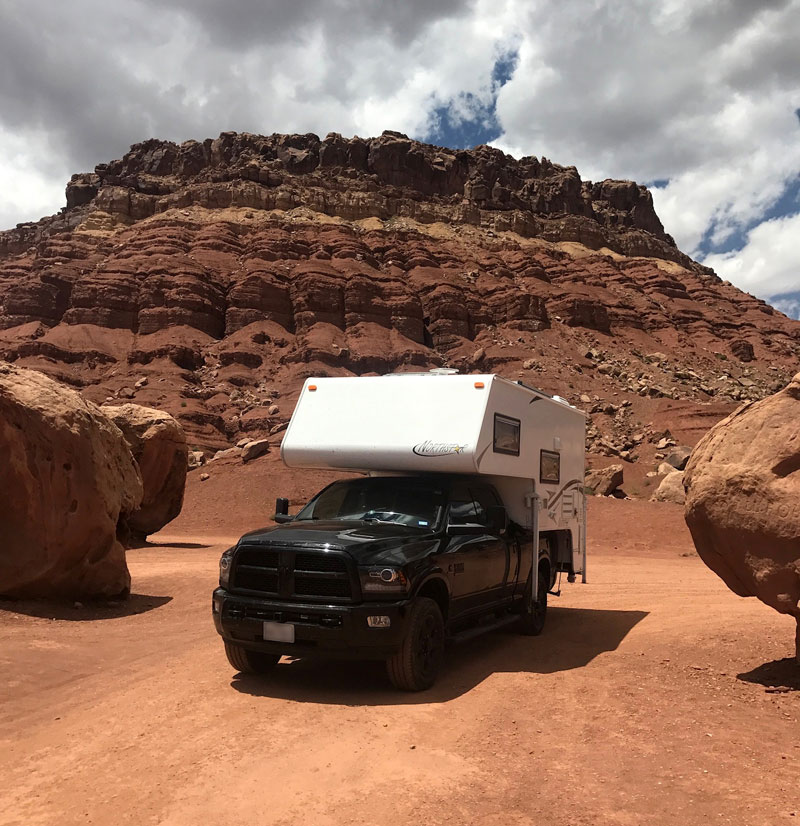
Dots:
(126, 393)
(224, 454)
(243, 442)
(142, 382)
(273, 410)
(671, 489)
(604, 481)
(204, 476)
(678, 457)
(254, 449)
(585, 399)
(529, 364)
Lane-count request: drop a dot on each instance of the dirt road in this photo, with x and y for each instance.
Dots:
(645, 701)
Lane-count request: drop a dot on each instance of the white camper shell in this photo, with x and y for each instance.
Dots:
(529, 445)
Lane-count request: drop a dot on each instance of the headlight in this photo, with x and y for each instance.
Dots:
(225, 565)
(383, 581)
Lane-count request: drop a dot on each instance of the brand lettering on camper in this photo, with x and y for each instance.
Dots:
(437, 448)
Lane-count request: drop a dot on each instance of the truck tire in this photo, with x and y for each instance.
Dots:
(415, 666)
(250, 662)
(534, 614)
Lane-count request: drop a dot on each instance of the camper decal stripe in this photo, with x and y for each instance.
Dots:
(572, 484)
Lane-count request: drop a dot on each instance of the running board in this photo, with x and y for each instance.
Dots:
(478, 630)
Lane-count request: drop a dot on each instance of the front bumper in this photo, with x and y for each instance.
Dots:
(339, 631)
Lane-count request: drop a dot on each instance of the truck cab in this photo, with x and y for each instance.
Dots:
(381, 568)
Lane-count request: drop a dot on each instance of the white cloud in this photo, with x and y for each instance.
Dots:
(769, 263)
(31, 188)
(700, 93)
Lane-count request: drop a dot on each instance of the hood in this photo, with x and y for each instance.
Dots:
(365, 541)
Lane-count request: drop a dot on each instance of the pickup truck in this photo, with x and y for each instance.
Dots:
(383, 567)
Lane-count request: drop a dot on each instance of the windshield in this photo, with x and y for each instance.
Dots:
(414, 502)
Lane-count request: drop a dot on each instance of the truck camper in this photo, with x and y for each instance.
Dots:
(469, 508)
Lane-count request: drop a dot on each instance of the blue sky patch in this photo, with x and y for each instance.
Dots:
(452, 130)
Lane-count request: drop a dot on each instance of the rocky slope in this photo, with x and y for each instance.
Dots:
(209, 278)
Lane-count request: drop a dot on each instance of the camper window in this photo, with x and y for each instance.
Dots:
(549, 467)
(506, 434)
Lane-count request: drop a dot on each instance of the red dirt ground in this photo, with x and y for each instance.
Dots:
(648, 699)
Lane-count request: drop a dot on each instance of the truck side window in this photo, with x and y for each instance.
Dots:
(462, 506)
(484, 498)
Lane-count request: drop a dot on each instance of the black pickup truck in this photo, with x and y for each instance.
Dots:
(382, 568)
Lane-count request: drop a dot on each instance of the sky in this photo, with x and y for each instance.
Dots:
(698, 99)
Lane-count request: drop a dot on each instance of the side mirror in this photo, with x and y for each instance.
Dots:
(469, 529)
(498, 518)
(282, 510)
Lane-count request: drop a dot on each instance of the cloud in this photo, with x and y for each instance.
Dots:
(769, 263)
(700, 96)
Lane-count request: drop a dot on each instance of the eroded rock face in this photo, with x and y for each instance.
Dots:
(158, 444)
(226, 272)
(743, 500)
(68, 485)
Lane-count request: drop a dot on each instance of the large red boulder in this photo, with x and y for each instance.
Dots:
(158, 444)
(68, 485)
(743, 500)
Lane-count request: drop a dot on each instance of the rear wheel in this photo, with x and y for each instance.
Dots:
(534, 612)
(416, 665)
(250, 662)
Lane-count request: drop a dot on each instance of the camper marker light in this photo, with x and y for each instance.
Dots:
(379, 622)
(312, 387)
(479, 385)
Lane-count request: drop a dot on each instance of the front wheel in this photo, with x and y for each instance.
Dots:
(534, 613)
(249, 662)
(415, 666)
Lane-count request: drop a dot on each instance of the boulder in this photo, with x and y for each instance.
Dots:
(670, 489)
(604, 481)
(743, 500)
(678, 457)
(158, 444)
(68, 487)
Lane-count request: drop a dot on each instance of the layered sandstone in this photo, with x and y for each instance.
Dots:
(226, 271)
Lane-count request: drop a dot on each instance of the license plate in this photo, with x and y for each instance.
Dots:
(278, 631)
